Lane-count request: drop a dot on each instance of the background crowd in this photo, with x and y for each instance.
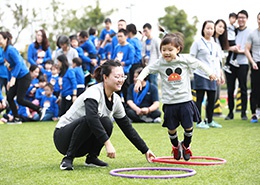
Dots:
(45, 85)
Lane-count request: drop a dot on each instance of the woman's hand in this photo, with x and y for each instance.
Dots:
(149, 156)
(111, 152)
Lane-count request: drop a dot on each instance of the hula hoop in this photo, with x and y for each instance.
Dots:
(171, 160)
(115, 172)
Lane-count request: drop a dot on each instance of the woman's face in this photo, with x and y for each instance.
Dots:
(2, 41)
(35, 73)
(208, 30)
(220, 28)
(39, 37)
(116, 79)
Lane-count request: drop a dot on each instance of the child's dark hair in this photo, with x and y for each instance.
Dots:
(175, 39)
(147, 25)
(233, 14)
(105, 69)
(83, 34)
(77, 61)
(131, 28)
(124, 31)
(42, 78)
(50, 61)
(92, 31)
(49, 85)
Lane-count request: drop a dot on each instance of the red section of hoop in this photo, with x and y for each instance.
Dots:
(171, 160)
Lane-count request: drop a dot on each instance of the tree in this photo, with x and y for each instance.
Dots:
(72, 21)
(176, 21)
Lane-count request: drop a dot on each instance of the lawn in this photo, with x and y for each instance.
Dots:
(28, 156)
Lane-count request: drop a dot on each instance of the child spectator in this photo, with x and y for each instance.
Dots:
(231, 30)
(40, 91)
(47, 69)
(50, 109)
(54, 79)
(76, 65)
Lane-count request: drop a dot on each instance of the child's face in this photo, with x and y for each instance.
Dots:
(54, 71)
(48, 91)
(48, 66)
(169, 52)
(74, 43)
(232, 20)
(42, 84)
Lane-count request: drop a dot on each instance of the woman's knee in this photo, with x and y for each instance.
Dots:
(107, 124)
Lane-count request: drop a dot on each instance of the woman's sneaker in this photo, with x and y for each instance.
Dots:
(176, 152)
(15, 121)
(66, 163)
(93, 161)
(202, 125)
(186, 152)
(214, 124)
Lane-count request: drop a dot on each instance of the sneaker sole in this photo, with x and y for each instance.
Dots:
(94, 165)
(65, 168)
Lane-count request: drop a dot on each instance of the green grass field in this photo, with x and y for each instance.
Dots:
(28, 156)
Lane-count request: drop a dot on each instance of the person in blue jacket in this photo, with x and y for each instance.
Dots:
(39, 51)
(4, 76)
(76, 65)
(20, 77)
(125, 53)
(68, 83)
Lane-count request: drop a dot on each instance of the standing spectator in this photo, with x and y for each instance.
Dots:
(86, 127)
(143, 106)
(66, 49)
(207, 50)
(150, 50)
(68, 83)
(178, 107)
(252, 51)
(121, 24)
(4, 78)
(124, 53)
(39, 51)
(105, 49)
(106, 30)
(132, 39)
(76, 65)
(20, 77)
(240, 72)
(220, 37)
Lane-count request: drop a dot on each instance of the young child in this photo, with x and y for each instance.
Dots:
(54, 80)
(179, 109)
(76, 65)
(231, 29)
(49, 105)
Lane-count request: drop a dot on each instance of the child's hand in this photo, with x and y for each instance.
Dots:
(213, 77)
(138, 86)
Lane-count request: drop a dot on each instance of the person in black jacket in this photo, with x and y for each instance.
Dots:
(86, 127)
